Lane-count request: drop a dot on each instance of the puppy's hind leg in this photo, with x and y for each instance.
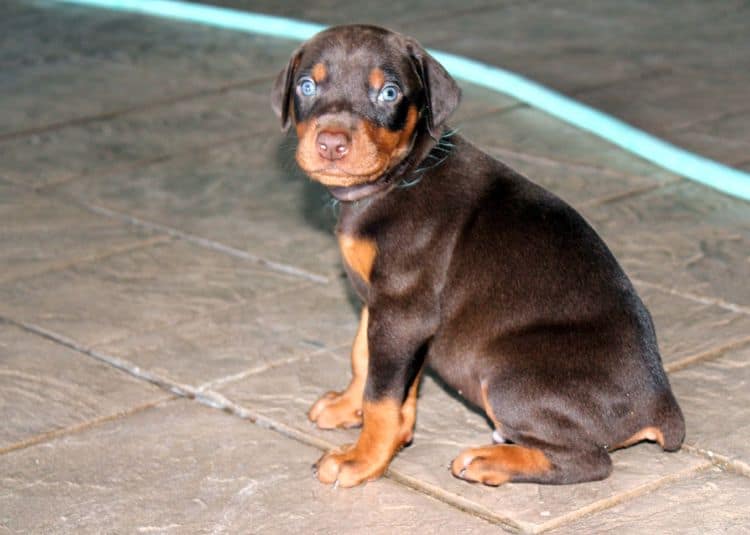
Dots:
(500, 463)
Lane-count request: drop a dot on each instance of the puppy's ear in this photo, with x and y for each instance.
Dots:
(441, 92)
(283, 88)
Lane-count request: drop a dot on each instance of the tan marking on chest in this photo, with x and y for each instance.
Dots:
(359, 254)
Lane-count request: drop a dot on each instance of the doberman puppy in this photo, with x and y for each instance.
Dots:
(465, 265)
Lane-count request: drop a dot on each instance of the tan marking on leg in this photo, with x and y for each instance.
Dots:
(499, 463)
(488, 408)
(344, 409)
(653, 434)
(319, 72)
(376, 78)
(369, 458)
(409, 411)
(359, 254)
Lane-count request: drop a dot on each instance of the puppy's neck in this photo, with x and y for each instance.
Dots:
(433, 154)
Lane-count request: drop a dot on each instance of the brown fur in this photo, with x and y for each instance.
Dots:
(465, 266)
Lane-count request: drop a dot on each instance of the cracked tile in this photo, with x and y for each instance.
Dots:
(38, 234)
(715, 397)
(686, 328)
(712, 502)
(124, 141)
(683, 236)
(445, 427)
(136, 292)
(45, 387)
(183, 467)
(244, 339)
(84, 61)
(537, 134)
(247, 194)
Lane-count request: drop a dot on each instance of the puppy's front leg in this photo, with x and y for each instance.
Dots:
(344, 409)
(389, 408)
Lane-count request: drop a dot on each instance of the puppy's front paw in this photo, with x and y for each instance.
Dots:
(348, 467)
(336, 409)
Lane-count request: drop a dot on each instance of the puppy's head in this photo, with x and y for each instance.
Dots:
(358, 97)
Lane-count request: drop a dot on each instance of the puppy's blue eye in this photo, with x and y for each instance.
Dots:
(389, 93)
(307, 87)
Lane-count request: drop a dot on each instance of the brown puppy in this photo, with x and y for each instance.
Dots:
(463, 264)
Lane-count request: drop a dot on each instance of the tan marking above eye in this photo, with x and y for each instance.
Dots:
(376, 78)
(319, 72)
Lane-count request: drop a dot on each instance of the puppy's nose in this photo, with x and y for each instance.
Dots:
(332, 145)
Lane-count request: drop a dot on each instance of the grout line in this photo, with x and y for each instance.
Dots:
(715, 301)
(279, 267)
(127, 166)
(162, 382)
(494, 112)
(86, 119)
(444, 14)
(735, 466)
(628, 194)
(459, 502)
(197, 316)
(510, 151)
(621, 497)
(689, 124)
(93, 257)
(227, 379)
(218, 401)
(710, 354)
(57, 433)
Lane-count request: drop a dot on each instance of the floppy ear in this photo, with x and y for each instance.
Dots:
(441, 92)
(281, 93)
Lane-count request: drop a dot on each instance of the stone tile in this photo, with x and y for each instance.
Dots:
(186, 468)
(686, 328)
(247, 194)
(671, 99)
(553, 45)
(578, 184)
(535, 133)
(715, 397)
(683, 236)
(92, 148)
(724, 138)
(712, 502)
(38, 234)
(444, 427)
(46, 387)
(81, 62)
(136, 292)
(246, 338)
(341, 12)
(477, 102)
(732, 151)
